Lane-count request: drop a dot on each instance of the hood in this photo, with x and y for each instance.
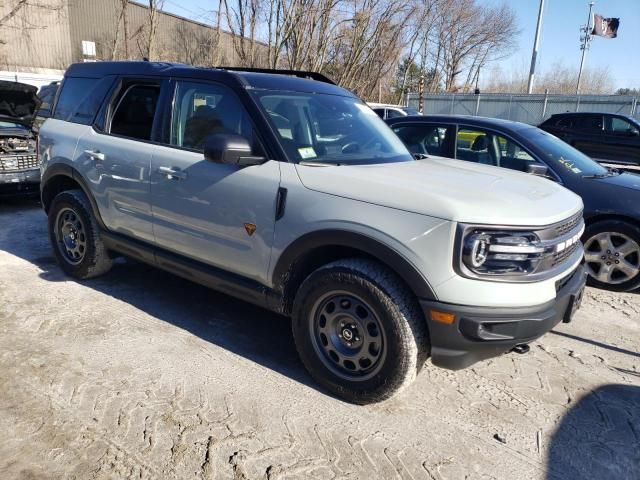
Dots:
(449, 189)
(625, 180)
(18, 102)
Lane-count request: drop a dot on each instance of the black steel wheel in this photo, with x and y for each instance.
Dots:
(347, 335)
(359, 330)
(70, 236)
(75, 236)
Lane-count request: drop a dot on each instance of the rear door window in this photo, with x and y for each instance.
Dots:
(426, 139)
(566, 122)
(80, 99)
(592, 123)
(134, 111)
(474, 146)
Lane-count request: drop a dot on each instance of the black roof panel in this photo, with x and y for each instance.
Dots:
(257, 80)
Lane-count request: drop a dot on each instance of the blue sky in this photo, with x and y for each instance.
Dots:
(559, 40)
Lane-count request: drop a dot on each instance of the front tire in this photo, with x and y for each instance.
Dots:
(612, 255)
(359, 331)
(75, 236)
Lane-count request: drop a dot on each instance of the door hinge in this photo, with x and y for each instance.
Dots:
(281, 202)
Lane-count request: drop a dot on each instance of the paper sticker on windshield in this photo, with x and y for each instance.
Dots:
(569, 165)
(307, 152)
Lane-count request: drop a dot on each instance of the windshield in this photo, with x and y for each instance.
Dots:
(411, 111)
(12, 125)
(562, 156)
(330, 129)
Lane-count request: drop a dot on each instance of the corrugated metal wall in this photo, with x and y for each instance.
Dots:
(36, 39)
(40, 39)
(177, 39)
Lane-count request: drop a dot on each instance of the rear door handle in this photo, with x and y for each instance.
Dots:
(95, 154)
(172, 173)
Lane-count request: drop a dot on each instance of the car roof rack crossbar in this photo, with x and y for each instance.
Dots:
(295, 73)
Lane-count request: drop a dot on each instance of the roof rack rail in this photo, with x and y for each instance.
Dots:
(295, 73)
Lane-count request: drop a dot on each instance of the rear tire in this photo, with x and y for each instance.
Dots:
(359, 330)
(606, 243)
(75, 236)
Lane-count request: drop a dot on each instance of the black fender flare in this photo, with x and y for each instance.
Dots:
(309, 242)
(65, 170)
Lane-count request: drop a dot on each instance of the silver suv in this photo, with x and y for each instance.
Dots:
(284, 190)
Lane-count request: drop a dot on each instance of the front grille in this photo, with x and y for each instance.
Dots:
(560, 257)
(16, 163)
(569, 225)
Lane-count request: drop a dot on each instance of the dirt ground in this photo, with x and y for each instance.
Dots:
(140, 374)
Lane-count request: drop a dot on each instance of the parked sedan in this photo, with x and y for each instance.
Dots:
(609, 138)
(611, 197)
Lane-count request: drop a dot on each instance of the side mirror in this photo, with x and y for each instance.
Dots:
(537, 169)
(231, 150)
(632, 132)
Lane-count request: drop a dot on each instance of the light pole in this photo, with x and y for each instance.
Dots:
(534, 55)
(586, 39)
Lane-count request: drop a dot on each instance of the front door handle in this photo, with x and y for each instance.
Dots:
(172, 173)
(95, 154)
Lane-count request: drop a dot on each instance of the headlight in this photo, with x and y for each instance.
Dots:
(516, 255)
(499, 253)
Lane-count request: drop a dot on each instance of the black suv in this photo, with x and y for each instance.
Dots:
(606, 137)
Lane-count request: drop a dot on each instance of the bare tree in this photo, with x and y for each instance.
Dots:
(467, 36)
(557, 78)
(242, 19)
(145, 35)
(122, 29)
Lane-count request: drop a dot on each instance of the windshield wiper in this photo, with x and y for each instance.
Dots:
(319, 163)
(611, 172)
(420, 156)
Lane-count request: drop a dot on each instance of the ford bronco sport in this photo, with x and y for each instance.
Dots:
(284, 190)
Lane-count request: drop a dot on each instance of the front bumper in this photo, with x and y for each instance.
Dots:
(17, 183)
(478, 333)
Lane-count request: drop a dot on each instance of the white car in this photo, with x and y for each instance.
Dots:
(385, 111)
(292, 194)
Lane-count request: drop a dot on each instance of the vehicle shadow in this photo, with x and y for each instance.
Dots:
(246, 330)
(599, 437)
(595, 343)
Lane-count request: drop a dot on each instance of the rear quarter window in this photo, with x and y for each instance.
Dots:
(80, 99)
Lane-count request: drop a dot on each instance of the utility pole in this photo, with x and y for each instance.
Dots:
(534, 54)
(586, 40)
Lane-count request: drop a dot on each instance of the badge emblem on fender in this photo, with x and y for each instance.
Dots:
(250, 228)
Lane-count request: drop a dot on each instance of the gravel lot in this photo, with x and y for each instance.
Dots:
(141, 374)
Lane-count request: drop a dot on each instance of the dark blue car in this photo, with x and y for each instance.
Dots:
(611, 197)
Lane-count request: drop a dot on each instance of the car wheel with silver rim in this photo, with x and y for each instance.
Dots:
(612, 255)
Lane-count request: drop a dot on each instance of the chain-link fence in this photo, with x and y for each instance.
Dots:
(531, 109)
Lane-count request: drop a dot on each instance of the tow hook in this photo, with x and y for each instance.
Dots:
(521, 349)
